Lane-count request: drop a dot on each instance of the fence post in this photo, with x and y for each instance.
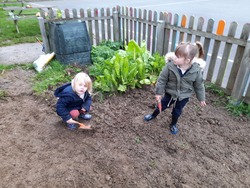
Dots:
(44, 36)
(116, 26)
(160, 37)
(242, 78)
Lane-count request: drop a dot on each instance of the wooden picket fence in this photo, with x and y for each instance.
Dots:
(162, 32)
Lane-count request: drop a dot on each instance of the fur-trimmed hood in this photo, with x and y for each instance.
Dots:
(200, 61)
(170, 57)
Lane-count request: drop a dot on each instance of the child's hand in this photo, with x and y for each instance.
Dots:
(158, 98)
(203, 103)
(71, 121)
(83, 110)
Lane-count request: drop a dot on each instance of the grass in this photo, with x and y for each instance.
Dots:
(9, 67)
(29, 29)
(240, 109)
(54, 74)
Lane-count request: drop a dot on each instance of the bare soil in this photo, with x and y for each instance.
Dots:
(211, 150)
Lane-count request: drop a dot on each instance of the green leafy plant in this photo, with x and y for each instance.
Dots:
(127, 69)
(112, 45)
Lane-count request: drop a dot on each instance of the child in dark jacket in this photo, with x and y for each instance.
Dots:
(181, 76)
(74, 100)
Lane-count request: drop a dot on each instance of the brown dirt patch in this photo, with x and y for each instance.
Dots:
(211, 150)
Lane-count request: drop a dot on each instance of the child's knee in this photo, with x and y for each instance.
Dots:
(74, 113)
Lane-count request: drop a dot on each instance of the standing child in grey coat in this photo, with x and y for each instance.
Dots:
(181, 76)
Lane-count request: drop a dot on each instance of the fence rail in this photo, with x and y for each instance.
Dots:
(227, 57)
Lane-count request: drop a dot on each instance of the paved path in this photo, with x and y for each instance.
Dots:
(20, 53)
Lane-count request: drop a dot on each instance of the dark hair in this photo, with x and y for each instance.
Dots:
(200, 49)
(188, 50)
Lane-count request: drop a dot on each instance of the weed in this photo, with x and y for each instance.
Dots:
(213, 88)
(152, 164)
(137, 140)
(3, 94)
(236, 109)
(239, 109)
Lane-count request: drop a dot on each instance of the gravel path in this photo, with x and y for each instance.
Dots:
(20, 53)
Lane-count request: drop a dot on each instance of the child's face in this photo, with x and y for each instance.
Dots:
(80, 87)
(180, 60)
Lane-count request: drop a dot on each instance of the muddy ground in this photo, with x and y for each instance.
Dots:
(211, 150)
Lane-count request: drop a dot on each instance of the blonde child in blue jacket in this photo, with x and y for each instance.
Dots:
(74, 100)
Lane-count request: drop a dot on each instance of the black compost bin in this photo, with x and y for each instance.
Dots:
(70, 42)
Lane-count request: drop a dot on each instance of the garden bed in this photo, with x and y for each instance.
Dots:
(211, 149)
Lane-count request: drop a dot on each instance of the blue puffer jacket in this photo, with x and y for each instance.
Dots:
(68, 100)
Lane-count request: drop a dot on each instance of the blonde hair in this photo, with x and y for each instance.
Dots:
(81, 76)
(189, 51)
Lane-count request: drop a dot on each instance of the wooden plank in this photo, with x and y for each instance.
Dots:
(116, 26)
(82, 13)
(74, 11)
(160, 37)
(247, 96)
(44, 35)
(139, 28)
(127, 25)
(174, 35)
(226, 53)
(190, 26)
(238, 57)
(183, 25)
(90, 26)
(15, 8)
(199, 28)
(216, 48)
(144, 26)
(22, 18)
(131, 29)
(243, 77)
(123, 27)
(168, 20)
(149, 31)
(207, 40)
(208, 35)
(135, 25)
(97, 37)
(155, 16)
(103, 31)
(50, 13)
(67, 14)
(108, 24)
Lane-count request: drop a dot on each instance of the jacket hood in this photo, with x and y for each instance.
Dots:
(200, 61)
(64, 90)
